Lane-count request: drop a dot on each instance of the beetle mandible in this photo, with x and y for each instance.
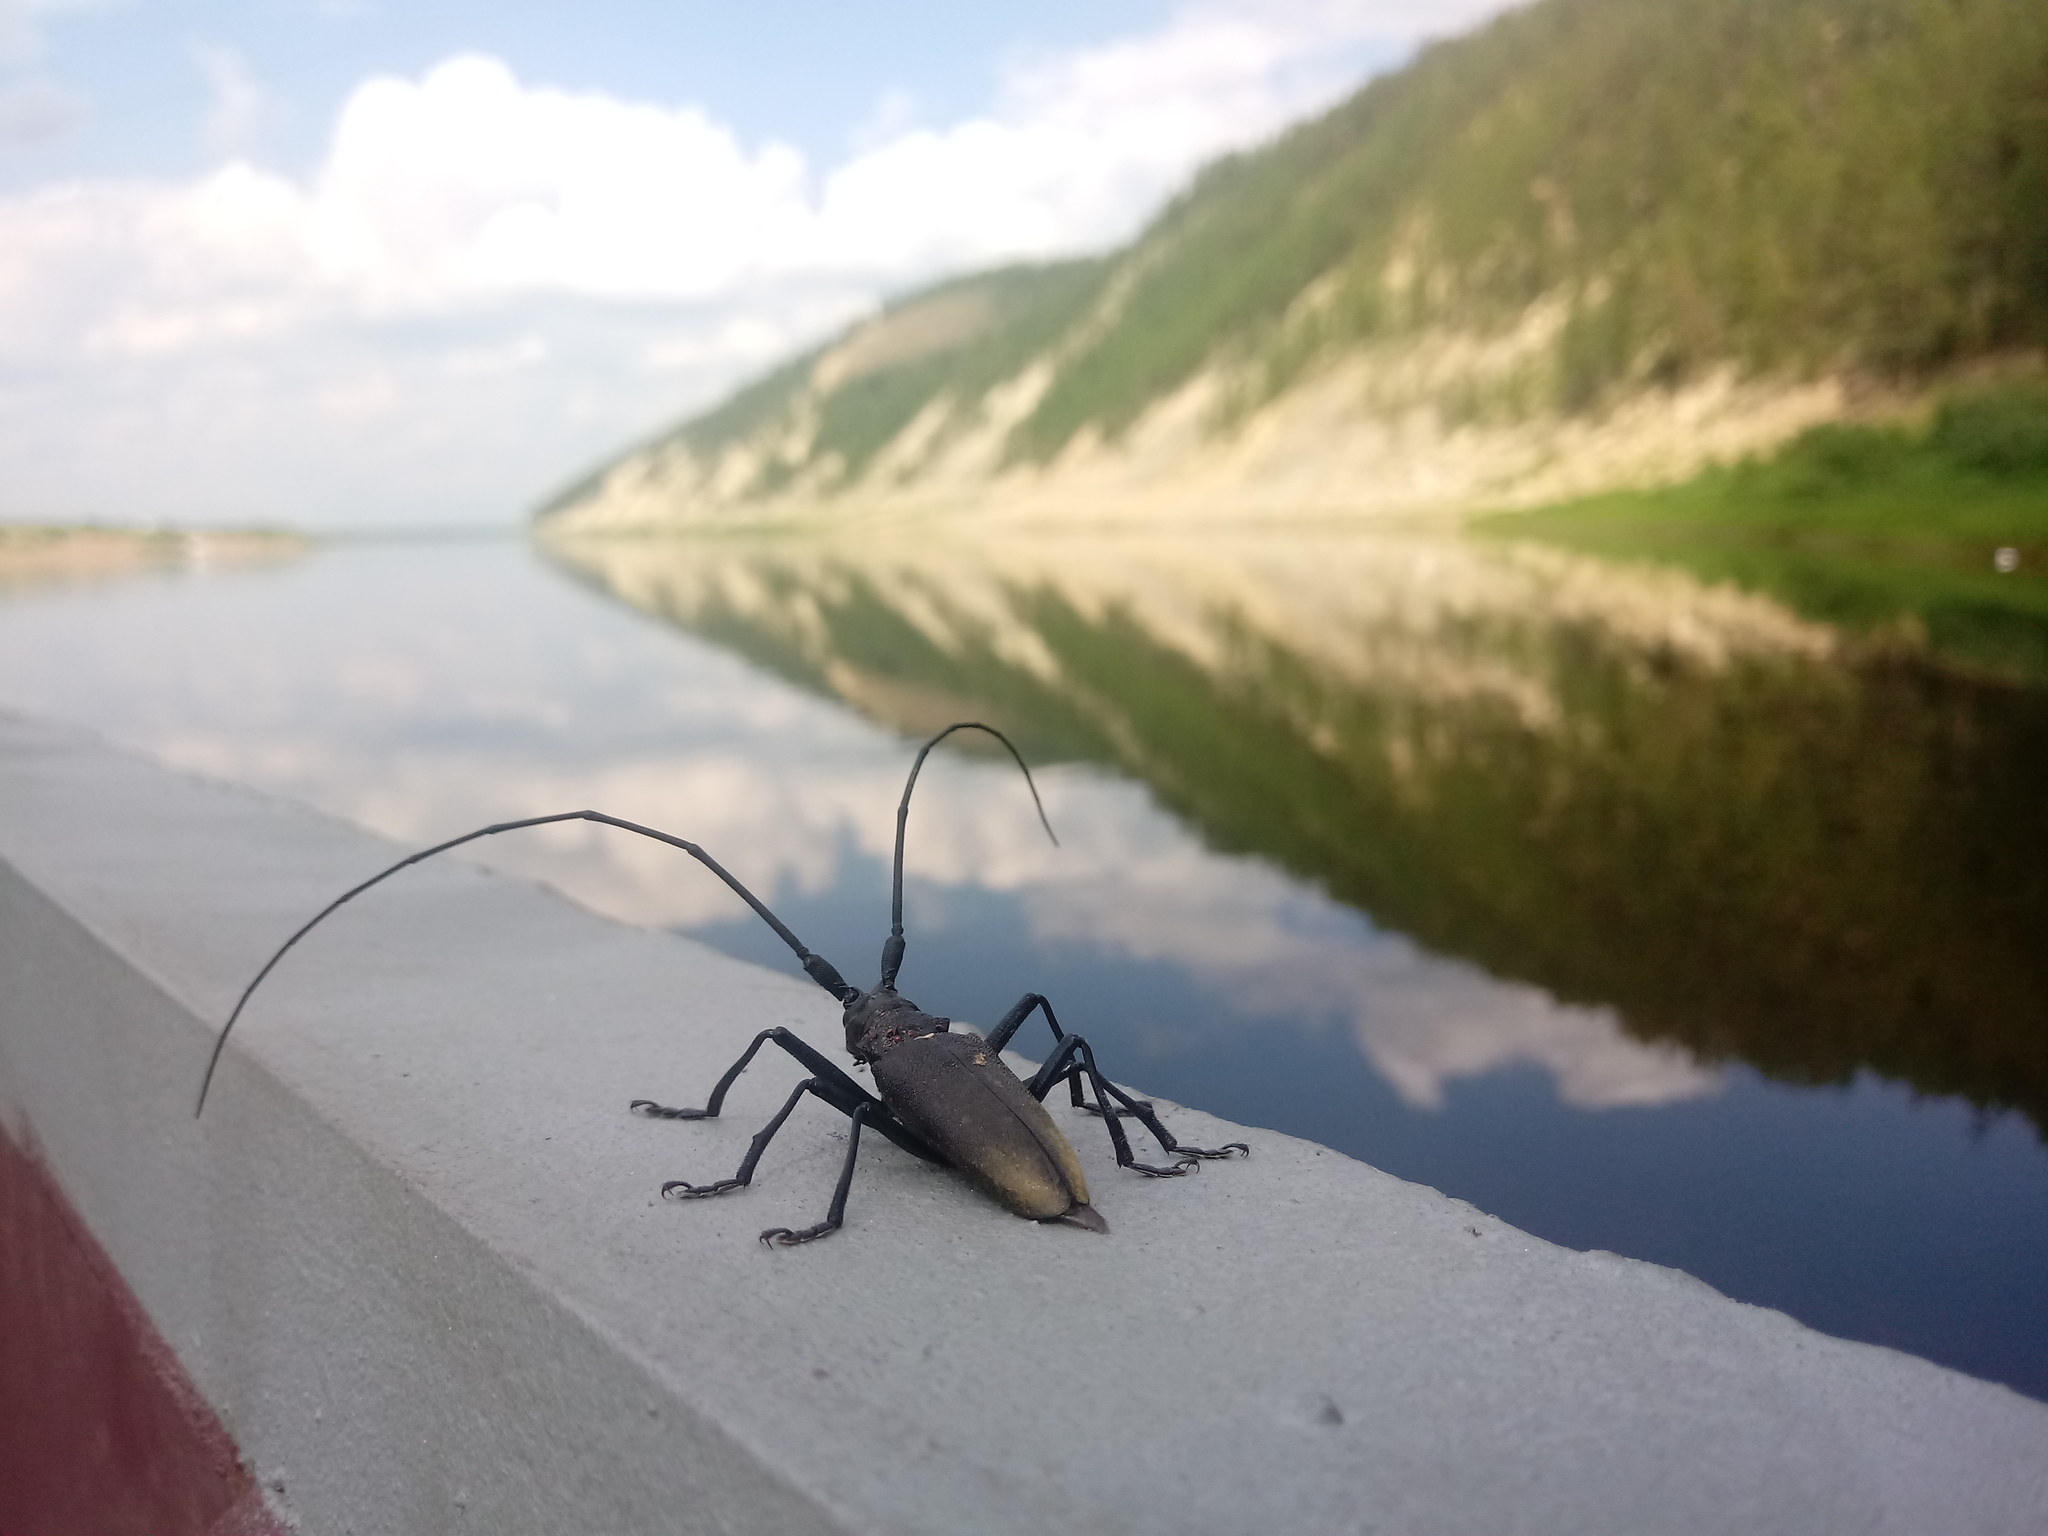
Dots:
(943, 1094)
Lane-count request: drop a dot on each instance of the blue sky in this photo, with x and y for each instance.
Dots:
(810, 74)
(350, 263)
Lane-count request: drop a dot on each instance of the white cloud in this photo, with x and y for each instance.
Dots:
(655, 255)
(465, 186)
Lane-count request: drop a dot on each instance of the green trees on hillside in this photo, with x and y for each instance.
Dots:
(1782, 184)
(1026, 310)
(1790, 187)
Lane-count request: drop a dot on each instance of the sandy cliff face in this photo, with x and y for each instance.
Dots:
(1407, 429)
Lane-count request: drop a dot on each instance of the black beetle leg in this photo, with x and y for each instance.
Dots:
(1143, 1111)
(836, 1215)
(678, 1189)
(710, 1111)
(828, 1082)
(1064, 1065)
(1011, 1022)
(1139, 1107)
(1075, 1059)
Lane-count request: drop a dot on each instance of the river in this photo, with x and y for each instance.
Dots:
(1639, 912)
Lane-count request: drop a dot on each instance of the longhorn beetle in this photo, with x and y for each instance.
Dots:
(945, 1095)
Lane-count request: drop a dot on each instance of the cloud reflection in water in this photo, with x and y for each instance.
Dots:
(424, 692)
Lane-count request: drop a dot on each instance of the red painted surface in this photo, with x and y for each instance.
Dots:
(101, 1433)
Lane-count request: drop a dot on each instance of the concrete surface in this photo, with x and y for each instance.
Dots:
(415, 1257)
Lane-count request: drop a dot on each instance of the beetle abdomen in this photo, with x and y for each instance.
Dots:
(956, 1093)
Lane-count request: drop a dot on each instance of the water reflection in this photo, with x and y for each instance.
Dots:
(1645, 796)
(1400, 846)
(427, 691)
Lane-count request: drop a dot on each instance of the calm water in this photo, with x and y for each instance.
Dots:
(1633, 911)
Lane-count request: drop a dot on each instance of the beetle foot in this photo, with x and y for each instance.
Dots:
(1185, 1165)
(1139, 1109)
(677, 1189)
(1212, 1153)
(654, 1111)
(790, 1239)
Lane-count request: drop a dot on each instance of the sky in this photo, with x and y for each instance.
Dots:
(341, 264)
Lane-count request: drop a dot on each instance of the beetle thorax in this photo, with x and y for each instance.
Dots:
(879, 1021)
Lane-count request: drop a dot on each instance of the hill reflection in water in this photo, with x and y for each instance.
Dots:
(1502, 870)
(1639, 794)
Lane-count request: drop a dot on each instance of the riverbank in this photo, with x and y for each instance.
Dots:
(1929, 538)
(33, 554)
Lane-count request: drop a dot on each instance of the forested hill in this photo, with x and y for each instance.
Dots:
(1594, 240)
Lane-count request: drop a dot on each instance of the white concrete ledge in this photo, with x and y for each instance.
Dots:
(415, 1257)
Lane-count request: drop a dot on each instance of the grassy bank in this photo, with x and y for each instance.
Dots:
(1932, 538)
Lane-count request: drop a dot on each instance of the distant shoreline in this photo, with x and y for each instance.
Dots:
(32, 554)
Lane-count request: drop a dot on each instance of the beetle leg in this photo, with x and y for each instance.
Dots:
(1065, 1065)
(678, 1189)
(710, 1111)
(1074, 1060)
(829, 1083)
(1011, 1022)
(1146, 1113)
(1142, 1110)
(836, 1215)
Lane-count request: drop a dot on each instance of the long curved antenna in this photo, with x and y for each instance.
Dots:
(892, 947)
(817, 967)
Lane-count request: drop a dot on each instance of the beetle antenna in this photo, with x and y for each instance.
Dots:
(816, 967)
(892, 947)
